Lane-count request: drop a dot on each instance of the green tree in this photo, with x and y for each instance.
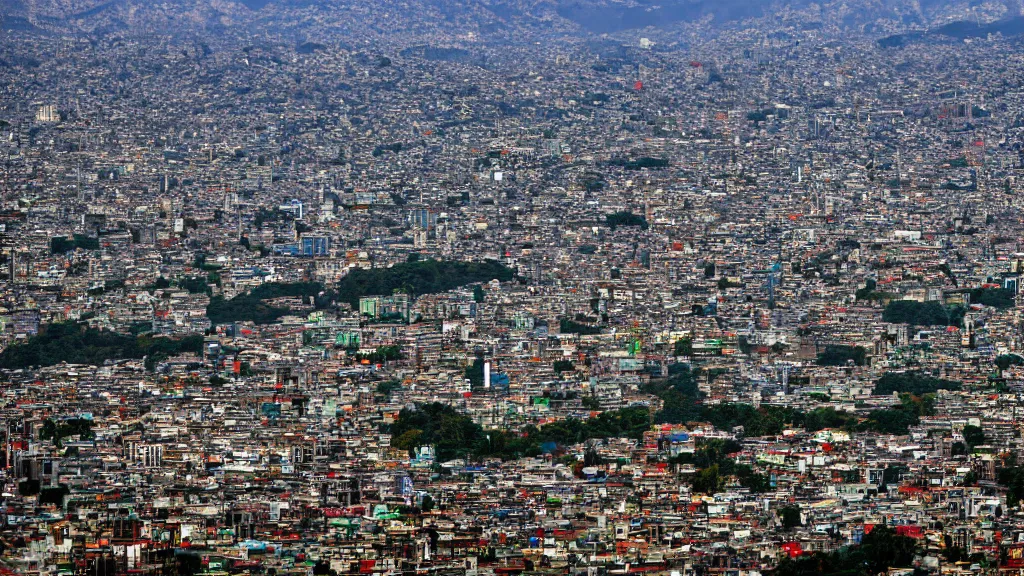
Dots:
(1013, 478)
(382, 354)
(724, 283)
(408, 440)
(617, 219)
(53, 495)
(456, 435)
(895, 421)
(789, 516)
(755, 482)
(885, 549)
(475, 373)
(828, 417)
(1004, 361)
(683, 347)
(973, 436)
(914, 383)
(763, 421)
(876, 554)
(893, 474)
(915, 313)
(386, 387)
(77, 343)
(568, 326)
(995, 297)
(708, 480)
(564, 366)
(251, 306)
(679, 394)
(417, 278)
(840, 355)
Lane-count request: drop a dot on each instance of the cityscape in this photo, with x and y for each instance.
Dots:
(511, 287)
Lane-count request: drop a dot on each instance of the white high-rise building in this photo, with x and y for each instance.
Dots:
(47, 113)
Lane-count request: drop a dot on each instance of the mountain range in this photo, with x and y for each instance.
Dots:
(500, 20)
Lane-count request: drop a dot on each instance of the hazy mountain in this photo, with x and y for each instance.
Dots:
(958, 30)
(110, 15)
(508, 20)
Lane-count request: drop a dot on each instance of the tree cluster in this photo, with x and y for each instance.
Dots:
(62, 244)
(763, 421)
(381, 355)
(880, 549)
(680, 396)
(914, 383)
(841, 355)
(1004, 361)
(386, 387)
(715, 462)
(455, 435)
(57, 431)
(569, 326)
(1013, 478)
(995, 297)
(76, 343)
(251, 306)
(916, 313)
(617, 219)
(475, 373)
(417, 278)
(564, 366)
